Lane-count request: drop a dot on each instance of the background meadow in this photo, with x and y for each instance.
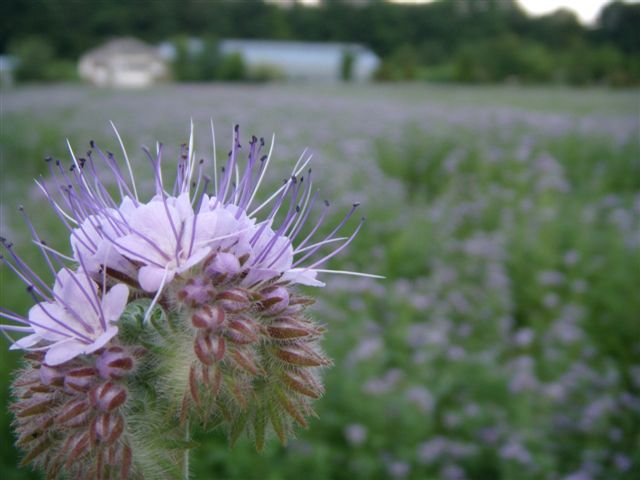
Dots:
(504, 342)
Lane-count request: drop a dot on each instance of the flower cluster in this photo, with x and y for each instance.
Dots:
(188, 294)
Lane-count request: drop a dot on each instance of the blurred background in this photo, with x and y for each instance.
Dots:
(495, 146)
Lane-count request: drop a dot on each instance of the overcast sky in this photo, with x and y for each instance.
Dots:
(587, 10)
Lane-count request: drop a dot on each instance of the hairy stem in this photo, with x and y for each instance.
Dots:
(186, 452)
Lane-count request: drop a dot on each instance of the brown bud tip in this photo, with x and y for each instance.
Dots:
(74, 413)
(222, 266)
(242, 330)
(79, 379)
(274, 300)
(300, 356)
(108, 396)
(208, 317)
(114, 363)
(289, 327)
(245, 362)
(209, 348)
(302, 383)
(107, 428)
(197, 291)
(234, 300)
(51, 376)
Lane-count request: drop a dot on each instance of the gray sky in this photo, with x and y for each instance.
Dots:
(587, 10)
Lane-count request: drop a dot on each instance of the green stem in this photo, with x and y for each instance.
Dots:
(185, 462)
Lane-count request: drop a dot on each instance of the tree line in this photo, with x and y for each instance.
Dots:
(446, 40)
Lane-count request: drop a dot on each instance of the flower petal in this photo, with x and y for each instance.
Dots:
(78, 291)
(114, 302)
(64, 351)
(26, 342)
(303, 277)
(150, 278)
(102, 340)
(40, 318)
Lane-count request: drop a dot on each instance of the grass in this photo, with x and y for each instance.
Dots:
(504, 343)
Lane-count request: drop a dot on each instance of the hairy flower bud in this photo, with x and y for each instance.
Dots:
(209, 348)
(197, 291)
(108, 396)
(222, 266)
(234, 300)
(208, 317)
(51, 375)
(114, 363)
(79, 379)
(74, 413)
(274, 300)
(106, 428)
(213, 329)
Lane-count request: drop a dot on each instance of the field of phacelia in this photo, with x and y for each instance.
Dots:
(504, 342)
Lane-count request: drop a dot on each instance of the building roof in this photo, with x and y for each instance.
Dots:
(126, 45)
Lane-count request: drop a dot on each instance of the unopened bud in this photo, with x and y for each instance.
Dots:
(274, 300)
(241, 330)
(197, 291)
(300, 356)
(73, 413)
(288, 327)
(209, 348)
(114, 363)
(245, 361)
(302, 383)
(51, 376)
(79, 379)
(107, 428)
(222, 266)
(234, 300)
(109, 396)
(208, 317)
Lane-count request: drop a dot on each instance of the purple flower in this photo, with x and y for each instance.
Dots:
(205, 223)
(76, 318)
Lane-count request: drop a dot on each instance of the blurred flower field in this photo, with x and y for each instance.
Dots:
(505, 341)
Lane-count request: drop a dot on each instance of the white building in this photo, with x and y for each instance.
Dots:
(312, 61)
(123, 62)
(305, 60)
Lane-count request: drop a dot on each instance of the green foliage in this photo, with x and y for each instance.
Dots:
(441, 34)
(37, 62)
(346, 66)
(233, 68)
(467, 213)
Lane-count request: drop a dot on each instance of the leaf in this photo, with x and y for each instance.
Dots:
(259, 427)
(237, 427)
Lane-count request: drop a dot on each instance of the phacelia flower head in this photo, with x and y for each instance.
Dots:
(192, 285)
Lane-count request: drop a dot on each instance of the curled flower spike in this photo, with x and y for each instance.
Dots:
(171, 309)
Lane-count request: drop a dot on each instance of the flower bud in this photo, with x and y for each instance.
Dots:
(197, 291)
(114, 363)
(79, 379)
(302, 382)
(285, 328)
(73, 414)
(209, 348)
(274, 300)
(300, 356)
(106, 428)
(222, 266)
(245, 362)
(51, 376)
(241, 330)
(208, 317)
(234, 300)
(108, 396)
